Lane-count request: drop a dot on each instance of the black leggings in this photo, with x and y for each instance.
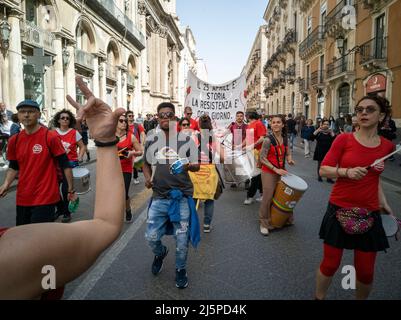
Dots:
(127, 181)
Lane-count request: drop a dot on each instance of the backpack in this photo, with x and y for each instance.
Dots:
(59, 172)
(276, 149)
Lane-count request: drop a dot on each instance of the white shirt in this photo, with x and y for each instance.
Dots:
(6, 127)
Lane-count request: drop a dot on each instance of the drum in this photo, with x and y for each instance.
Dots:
(240, 166)
(81, 180)
(390, 225)
(289, 191)
(138, 162)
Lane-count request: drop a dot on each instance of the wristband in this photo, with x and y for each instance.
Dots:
(346, 173)
(107, 144)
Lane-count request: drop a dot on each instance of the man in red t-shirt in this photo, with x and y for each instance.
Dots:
(34, 153)
(194, 125)
(256, 132)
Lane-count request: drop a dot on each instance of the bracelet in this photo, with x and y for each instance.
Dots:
(107, 144)
(346, 173)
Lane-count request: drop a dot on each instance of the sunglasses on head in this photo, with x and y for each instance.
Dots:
(369, 109)
(65, 118)
(166, 115)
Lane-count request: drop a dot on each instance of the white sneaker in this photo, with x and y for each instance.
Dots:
(264, 231)
(136, 181)
(259, 199)
(248, 201)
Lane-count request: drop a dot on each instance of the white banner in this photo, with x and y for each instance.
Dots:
(220, 102)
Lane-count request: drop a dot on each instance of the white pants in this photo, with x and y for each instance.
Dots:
(307, 147)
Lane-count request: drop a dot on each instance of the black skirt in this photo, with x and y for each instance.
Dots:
(333, 234)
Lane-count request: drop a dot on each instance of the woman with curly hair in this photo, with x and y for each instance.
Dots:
(273, 156)
(64, 123)
(353, 217)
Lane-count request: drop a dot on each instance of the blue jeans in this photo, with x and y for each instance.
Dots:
(157, 227)
(209, 209)
(292, 137)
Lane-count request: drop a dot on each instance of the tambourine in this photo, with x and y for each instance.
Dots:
(391, 225)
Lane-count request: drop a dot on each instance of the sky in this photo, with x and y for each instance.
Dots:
(224, 32)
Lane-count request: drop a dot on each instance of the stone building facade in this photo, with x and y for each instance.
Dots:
(255, 78)
(127, 51)
(282, 66)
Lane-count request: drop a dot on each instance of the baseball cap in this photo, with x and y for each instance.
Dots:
(28, 103)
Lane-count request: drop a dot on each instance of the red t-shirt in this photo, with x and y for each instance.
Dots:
(347, 152)
(258, 130)
(138, 131)
(126, 164)
(37, 184)
(69, 141)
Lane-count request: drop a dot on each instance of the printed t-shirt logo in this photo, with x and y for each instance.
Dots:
(167, 153)
(37, 148)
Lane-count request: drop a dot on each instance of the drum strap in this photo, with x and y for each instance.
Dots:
(277, 149)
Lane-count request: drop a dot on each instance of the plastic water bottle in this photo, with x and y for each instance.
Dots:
(73, 205)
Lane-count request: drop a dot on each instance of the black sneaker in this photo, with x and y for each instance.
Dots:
(330, 181)
(181, 279)
(206, 228)
(320, 179)
(128, 216)
(158, 262)
(66, 218)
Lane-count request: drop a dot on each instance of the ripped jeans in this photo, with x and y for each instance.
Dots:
(157, 227)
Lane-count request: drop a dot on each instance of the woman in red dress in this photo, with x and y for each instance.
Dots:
(357, 190)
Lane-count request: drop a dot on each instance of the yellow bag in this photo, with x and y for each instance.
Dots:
(205, 182)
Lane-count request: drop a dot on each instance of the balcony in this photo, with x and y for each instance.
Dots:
(317, 79)
(312, 44)
(334, 20)
(35, 36)
(304, 84)
(111, 72)
(109, 12)
(290, 74)
(283, 4)
(373, 54)
(290, 40)
(275, 84)
(374, 5)
(342, 66)
(84, 60)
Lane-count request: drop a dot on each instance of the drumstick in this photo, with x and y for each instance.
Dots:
(398, 149)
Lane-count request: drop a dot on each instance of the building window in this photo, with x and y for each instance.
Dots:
(30, 11)
(379, 37)
(343, 99)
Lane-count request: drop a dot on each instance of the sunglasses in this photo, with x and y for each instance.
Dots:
(185, 124)
(65, 118)
(166, 115)
(368, 109)
(130, 116)
(122, 120)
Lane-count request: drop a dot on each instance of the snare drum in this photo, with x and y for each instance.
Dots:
(243, 166)
(81, 180)
(289, 191)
